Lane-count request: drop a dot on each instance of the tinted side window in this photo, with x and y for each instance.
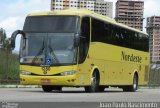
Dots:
(98, 30)
(111, 39)
(106, 33)
(84, 39)
(115, 35)
(141, 42)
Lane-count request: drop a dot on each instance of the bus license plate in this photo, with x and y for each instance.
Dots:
(45, 81)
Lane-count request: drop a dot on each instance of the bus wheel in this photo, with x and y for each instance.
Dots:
(134, 86)
(94, 87)
(47, 88)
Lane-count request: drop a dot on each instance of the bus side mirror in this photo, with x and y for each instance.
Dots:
(13, 37)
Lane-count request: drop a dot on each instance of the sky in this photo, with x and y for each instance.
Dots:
(13, 12)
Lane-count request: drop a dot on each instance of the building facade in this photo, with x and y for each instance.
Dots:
(153, 29)
(98, 6)
(130, 12)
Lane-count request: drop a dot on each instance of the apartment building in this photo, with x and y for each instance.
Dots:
(153, 29)
(130, 12)
(99, 6)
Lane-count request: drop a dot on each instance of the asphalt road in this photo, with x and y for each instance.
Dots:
(78, 95)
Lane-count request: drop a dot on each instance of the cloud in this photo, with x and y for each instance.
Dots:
(13, 13)
(23, 7)
(12, 23)
(151, 7)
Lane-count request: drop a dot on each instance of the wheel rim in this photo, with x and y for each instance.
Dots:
(94, 81)
(135, 83)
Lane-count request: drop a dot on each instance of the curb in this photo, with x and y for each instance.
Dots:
(20, 86)
(149, 86)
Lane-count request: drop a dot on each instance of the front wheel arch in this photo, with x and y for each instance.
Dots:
(94, 81)
(95, 68)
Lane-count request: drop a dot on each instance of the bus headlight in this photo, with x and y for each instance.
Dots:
(25, 72)
(68, 73)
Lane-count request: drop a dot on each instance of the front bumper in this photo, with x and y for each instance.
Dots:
(69, 80)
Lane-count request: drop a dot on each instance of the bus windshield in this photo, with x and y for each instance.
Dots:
(48, 49)
(50, 40)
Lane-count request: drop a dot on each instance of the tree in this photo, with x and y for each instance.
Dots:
(2, 35)
(4, 41)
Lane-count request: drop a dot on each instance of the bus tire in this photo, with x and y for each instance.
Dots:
(57, 88)
(94, 87)
(134, 86)
(47, 88)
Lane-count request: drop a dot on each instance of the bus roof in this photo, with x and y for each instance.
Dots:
(85, 12)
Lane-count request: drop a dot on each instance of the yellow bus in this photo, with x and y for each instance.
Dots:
(79, 48)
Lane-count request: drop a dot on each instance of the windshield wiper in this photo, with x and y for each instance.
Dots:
(52, 52)
(40, 52)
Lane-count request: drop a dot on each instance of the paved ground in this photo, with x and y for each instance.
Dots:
(77, 95)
